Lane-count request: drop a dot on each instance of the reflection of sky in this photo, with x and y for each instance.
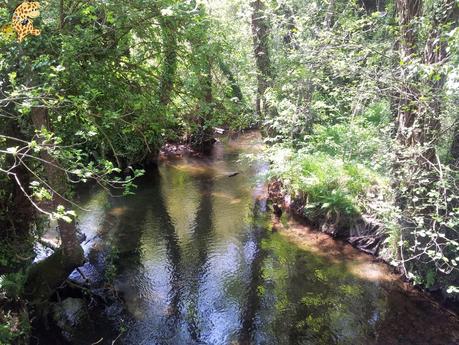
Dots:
(91, 222)
(221, 310)
(90, 219)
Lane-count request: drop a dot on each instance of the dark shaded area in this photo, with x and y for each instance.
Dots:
(252, 305)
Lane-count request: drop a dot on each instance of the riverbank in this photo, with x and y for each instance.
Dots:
(333, 236)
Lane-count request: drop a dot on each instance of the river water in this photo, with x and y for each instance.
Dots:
(196, 262)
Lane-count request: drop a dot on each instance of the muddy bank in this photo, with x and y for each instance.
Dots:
(363, 232)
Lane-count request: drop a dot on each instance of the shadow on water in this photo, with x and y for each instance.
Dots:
(254, 280)
(196, 263)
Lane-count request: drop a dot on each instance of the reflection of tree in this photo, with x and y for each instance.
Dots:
(174, 256)
(255, 282)
(199, 255)
(308, 321)
(316, 301)
(149, 202)
(127, 240)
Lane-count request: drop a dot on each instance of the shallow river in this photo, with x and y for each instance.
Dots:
(196, 262)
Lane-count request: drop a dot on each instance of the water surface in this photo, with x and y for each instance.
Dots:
(196, 262)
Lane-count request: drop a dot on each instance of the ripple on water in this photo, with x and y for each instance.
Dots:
(197, 264)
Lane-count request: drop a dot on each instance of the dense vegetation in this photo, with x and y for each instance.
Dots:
(357, 101)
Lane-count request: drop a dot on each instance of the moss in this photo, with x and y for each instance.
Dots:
(45, 276)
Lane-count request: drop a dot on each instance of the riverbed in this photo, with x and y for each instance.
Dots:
(195, 259)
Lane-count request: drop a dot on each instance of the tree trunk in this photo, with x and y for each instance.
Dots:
(289, 24)
(203, 56)
(455, 147)
(370, 6)
(61, 14)
(260, 33)
(418, 122)
(169, 66)
(408, 134)
(204, 138)
(71, 247)
(418, 115)
(328, 21)
(17, 215)
(435, 53)
(235, 89)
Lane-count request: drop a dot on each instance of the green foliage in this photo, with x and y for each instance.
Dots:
(12, 284)
(361, 139)
(323, 182)
(14, 327)
(6, 334)
(341, 92)
(118, 79)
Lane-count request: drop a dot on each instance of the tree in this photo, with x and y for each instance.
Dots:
(260, 33)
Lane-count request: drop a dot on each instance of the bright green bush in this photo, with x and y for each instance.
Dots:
(324, 182)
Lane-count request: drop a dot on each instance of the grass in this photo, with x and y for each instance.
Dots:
(323, 182)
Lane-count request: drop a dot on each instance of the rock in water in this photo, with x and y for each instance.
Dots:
(69, 315)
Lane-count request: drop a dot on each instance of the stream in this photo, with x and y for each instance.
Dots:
(195, 260)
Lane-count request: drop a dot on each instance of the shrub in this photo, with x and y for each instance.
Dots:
(323, 182)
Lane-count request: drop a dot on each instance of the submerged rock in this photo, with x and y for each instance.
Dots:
(69, 312)
(70, 315)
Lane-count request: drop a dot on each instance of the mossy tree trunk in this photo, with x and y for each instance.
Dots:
(260, 33)
(169, 65)
(418, 122)
(203, 56)
(235, 88)
(419, 108)
(47, 275)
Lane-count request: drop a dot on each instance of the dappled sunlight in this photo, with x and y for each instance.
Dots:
(375, 272)
(197, 249)
(195, 169)
(160, 162)
(228, 197)
(118, 211)
(359, 264)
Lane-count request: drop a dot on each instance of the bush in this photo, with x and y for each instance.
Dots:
(323, 182)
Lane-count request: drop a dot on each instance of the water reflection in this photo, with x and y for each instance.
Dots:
(197, 264)
(254, 279)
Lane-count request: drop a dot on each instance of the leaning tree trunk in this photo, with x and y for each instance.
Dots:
(48, 274)
(260, 32)
(235, 88)
(57, 180)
